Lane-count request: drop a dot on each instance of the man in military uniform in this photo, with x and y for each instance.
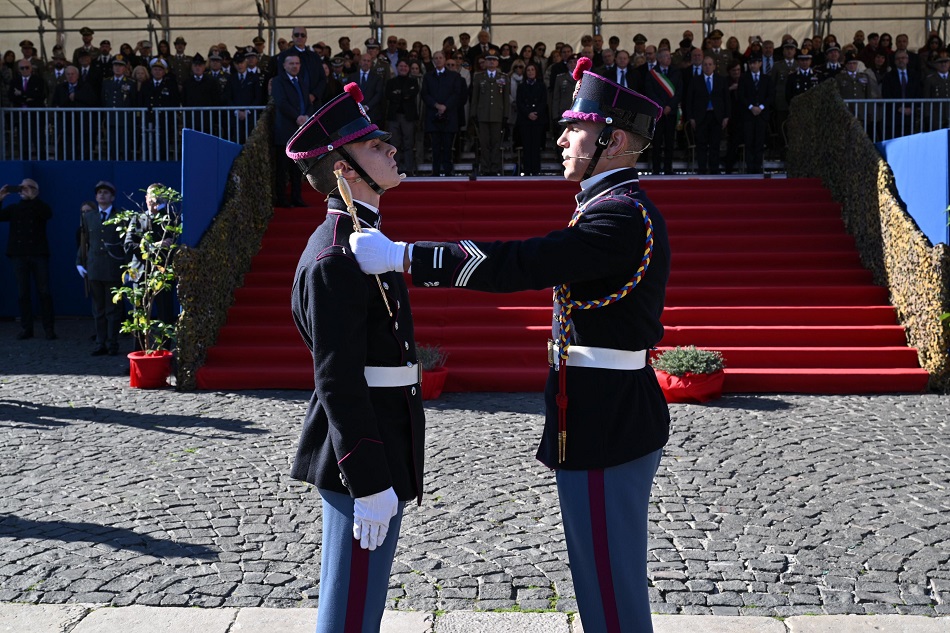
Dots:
(832, 64)
(55, 75)
(201, 90)
(781, 71)
(854, 85)
(244, 90)
(87, 46)
(606, 417)
(101, 265)
(722, 56)
(491, 98)
(28, 51)
(118, 92)
(263, 59)
(180, 64)
(802, 81)
(162, 128)
(362, 439)
(937, 86)
(380, 65)
(755, 103)
(102, 63)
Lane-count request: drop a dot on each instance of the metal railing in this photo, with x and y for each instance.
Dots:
(116, 134)
(886, 119)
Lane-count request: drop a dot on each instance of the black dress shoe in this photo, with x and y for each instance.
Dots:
(100, 351)
(24, 334)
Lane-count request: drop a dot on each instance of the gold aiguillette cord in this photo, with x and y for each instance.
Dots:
(344, 188)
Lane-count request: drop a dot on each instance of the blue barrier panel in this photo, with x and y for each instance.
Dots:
(922, 172)
(206, 162)
(65, 186)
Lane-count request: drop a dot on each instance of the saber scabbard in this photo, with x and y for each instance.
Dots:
(347, 195)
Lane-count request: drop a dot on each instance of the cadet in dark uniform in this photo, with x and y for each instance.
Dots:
(118, 92)
(755, 102)
(200, 90)
(802, 81)
(245, 90)
(491, 100)
(937, 86)
(160, 92)
(607, 419)
(362, 437)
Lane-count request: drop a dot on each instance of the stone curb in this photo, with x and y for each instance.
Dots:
(84, 618)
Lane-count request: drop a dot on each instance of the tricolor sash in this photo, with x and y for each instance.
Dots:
(664, 82)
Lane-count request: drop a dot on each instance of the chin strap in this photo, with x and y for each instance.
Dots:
(603, 140)
(362, 172)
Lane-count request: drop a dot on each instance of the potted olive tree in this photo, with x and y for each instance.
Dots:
(688, 374)
(432, 358)
(151, 239)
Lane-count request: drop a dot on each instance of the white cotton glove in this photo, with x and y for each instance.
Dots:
(371, 517)
(376, 253)
(82, 270)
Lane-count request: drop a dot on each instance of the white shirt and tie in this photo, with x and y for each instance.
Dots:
(622, 77)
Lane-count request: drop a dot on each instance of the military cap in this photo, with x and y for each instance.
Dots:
(336, 62)
(26, 44)
(86, 31)
(225, 55)
(105, 184)
(119, 61)
(599, 99)
(197, 59)
(258, 40)
(180, 40)
(238, 58)
(250, 52)
(371, 43)
(491, 55)
(850, 56)
(833, 47)
(755, 57)
(214, 56)
(686, 43)
(105, 43)
(339, 121)
(790, 44)
(639, 38)
(803, 56)
(941, 60)
(59, 55)
(716, 34)
(158, 61)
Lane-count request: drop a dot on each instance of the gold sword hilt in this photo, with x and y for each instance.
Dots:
(347, 195)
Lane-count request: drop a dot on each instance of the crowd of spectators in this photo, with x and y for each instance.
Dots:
(476, 95)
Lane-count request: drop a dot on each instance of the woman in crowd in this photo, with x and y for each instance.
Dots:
(334, 85)
(532, 118)
(540, 48)
(526, 56)
(880, 67)
(6, 75)
(425, 56)
(164, 50)
(732, 45)
(504, 58)
(886, 44)
(516, 76)
(553, 59)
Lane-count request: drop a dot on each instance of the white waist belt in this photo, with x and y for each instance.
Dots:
(604, 358)
(393, 376)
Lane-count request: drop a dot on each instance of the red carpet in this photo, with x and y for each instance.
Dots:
(763, 271)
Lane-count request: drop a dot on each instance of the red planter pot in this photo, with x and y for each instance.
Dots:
(691, 387)
(149, 371)
(432, 383)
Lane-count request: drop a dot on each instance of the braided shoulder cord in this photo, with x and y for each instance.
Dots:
(562, 293)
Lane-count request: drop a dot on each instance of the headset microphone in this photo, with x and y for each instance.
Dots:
(402, 176)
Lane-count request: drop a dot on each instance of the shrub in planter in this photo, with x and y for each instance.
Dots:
(432, 358)
(688, 374)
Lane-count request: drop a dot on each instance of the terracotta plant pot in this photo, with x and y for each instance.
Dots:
(149, 371)
(691, 387)
(432, 382)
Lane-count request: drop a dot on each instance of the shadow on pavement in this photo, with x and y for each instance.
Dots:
(48, 416)
(16, 527)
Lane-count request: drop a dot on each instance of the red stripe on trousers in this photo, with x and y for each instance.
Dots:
(356, 597)
(598, 525)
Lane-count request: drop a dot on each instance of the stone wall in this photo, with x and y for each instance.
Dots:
(827, 142)
(211, 272)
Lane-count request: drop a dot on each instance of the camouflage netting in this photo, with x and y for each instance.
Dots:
(209, 274)
(827, 142)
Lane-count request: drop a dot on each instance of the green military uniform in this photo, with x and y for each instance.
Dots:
(937, 86)
(180, 65)
(854, 85)
(491, 92)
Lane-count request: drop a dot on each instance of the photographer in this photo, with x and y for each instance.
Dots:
(29, 250)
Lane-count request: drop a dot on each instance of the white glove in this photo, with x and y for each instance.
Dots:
(376, 253)
(82, 270)
(371, 517)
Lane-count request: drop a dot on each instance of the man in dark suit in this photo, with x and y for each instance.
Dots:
(480, 49)
(73, 129)
(245, 90)
(755, 101)
(293, 107)
(118, 92)
(441, 94)
(311, 67)
(708, 114)
(902, 82)
(664, 86)
(28, 91)
(102, 266)
(160, 92)
(373, 88)
(200, 90)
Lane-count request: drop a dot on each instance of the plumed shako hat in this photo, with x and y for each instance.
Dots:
(337, 123)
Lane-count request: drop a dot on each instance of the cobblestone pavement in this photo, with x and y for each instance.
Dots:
(764, 505)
